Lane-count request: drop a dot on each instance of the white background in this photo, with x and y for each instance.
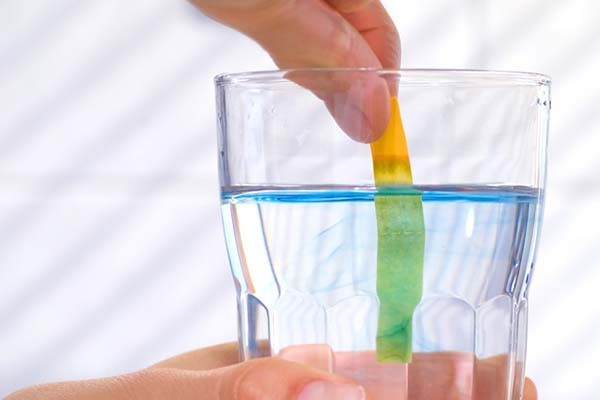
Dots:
(111, 251)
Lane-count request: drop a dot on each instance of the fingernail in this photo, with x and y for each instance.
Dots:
(323, 390)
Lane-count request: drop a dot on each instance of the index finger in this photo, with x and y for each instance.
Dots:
(325, 34)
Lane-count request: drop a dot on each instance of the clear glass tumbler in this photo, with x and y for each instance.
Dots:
(299, 213)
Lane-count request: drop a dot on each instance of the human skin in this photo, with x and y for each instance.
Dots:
(325, 34)
(215, 373)
(297, 34)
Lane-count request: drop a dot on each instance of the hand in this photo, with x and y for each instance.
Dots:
(325, 33)
(207, 374)
(214, 373)
(314, 33)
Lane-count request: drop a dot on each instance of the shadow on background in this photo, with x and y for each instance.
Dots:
(579, 129)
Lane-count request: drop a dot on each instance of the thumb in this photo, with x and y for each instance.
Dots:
(325, 34)
(267, 378)
(274, 378)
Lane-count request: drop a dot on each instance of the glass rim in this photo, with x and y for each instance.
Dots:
(409, 76)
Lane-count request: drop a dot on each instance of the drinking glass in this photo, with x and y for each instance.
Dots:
(298, 209)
